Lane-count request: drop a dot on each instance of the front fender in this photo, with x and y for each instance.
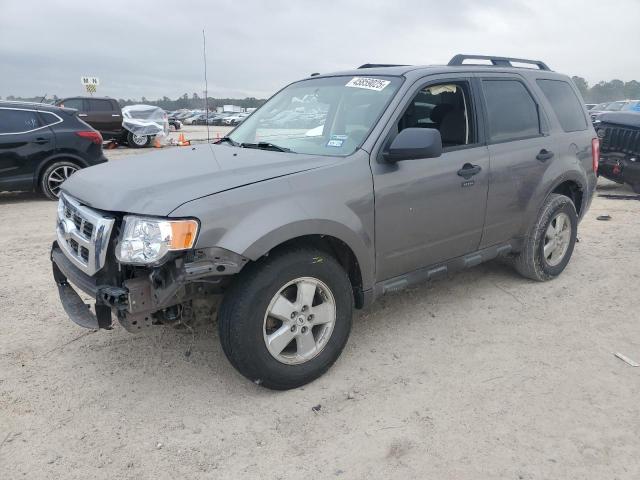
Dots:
(335, 201)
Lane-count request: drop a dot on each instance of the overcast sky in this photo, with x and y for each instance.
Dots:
(154, 48)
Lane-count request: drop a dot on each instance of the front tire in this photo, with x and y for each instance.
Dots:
(549, 244)
(286, 318)
(53, 177)
(138, 141)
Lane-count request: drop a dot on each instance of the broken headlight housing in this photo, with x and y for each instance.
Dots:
(146, 241)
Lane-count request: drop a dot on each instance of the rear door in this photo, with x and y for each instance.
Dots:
(429, 210)
(521, 149)
(25, 142)
(103, 116)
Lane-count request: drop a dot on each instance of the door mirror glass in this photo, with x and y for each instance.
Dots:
(413, 144)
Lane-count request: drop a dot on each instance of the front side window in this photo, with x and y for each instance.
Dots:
(76, 103)
(511, 111)
(444, 107)
(320, 116)
(565, 104)
(18, 121)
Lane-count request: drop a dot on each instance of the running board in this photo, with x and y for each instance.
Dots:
(441, 270)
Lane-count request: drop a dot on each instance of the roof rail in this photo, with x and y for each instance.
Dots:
(459, 59)
(379, 65)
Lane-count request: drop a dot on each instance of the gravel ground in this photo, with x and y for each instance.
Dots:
(484, 375)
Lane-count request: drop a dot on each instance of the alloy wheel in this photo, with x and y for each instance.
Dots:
(299, 320)
(557, 239)
(58, 176)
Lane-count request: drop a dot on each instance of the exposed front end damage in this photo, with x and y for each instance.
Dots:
(184, 287)
(619, 135)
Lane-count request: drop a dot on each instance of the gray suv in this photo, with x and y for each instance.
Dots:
(341, 188)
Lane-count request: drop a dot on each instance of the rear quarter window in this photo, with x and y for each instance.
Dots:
(565, 104)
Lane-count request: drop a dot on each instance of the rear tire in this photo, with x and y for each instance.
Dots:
(550, 241)
(138, 141)
(248, 327)
(53, 177)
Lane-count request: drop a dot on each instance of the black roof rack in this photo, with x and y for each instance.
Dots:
(496, 61)
(379, 65)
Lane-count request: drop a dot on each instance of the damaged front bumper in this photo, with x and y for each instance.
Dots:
(141, 297)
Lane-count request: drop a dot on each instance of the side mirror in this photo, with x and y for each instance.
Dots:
(413, 144)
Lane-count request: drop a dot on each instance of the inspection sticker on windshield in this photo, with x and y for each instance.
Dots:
(376, 84)
(336, 140)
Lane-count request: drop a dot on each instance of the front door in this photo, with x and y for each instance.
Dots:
(432, 210)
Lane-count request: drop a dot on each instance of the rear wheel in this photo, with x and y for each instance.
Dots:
(549, 243)
(138, 141)
(53, 177)
(286, 319)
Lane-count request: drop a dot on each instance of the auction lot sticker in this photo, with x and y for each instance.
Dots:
(376, 84)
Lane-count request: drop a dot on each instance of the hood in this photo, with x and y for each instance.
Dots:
(159, 182)
(627, 119)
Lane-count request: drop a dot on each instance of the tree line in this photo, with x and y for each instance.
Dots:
(608, 91)
(598, 93)
(185, 101)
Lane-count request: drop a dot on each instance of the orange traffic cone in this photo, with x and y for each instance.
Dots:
(156, 143)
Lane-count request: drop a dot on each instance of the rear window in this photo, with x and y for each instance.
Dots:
(512, 112)
(565, 104)
(18, 121)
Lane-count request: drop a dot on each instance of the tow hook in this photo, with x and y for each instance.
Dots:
(115, 297)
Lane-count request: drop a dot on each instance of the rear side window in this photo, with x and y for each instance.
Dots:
(97, 105)
(18, 121)
(565, 104)
(512, 112)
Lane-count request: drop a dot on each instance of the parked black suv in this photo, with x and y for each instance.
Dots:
(42, 145)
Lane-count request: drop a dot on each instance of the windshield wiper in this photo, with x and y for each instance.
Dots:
(265, 146)
(227, 139)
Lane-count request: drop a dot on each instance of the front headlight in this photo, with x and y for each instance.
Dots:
(148, 240)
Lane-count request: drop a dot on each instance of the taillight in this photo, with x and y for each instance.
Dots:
(595, 153)
(92, 135)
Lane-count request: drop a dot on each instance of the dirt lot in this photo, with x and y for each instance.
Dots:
(481, 376)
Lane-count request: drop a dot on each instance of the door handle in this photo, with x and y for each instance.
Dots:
(82, 114)
(544, 155)
(468, 170)
(115, 115)
(41, 141)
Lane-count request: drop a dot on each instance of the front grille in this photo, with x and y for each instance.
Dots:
(83, 234)
(615, 139)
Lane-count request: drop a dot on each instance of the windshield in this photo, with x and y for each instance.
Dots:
(615, 106)
(320, 116)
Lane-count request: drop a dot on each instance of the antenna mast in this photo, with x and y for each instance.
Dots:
(206, 91)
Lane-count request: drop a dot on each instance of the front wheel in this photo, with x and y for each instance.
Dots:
(549, 243)
(138, 141)
(286, 318)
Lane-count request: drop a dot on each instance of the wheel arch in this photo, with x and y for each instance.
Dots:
(56, 158)
(334, 238)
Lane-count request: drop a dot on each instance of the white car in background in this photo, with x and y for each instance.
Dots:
(235, 119)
